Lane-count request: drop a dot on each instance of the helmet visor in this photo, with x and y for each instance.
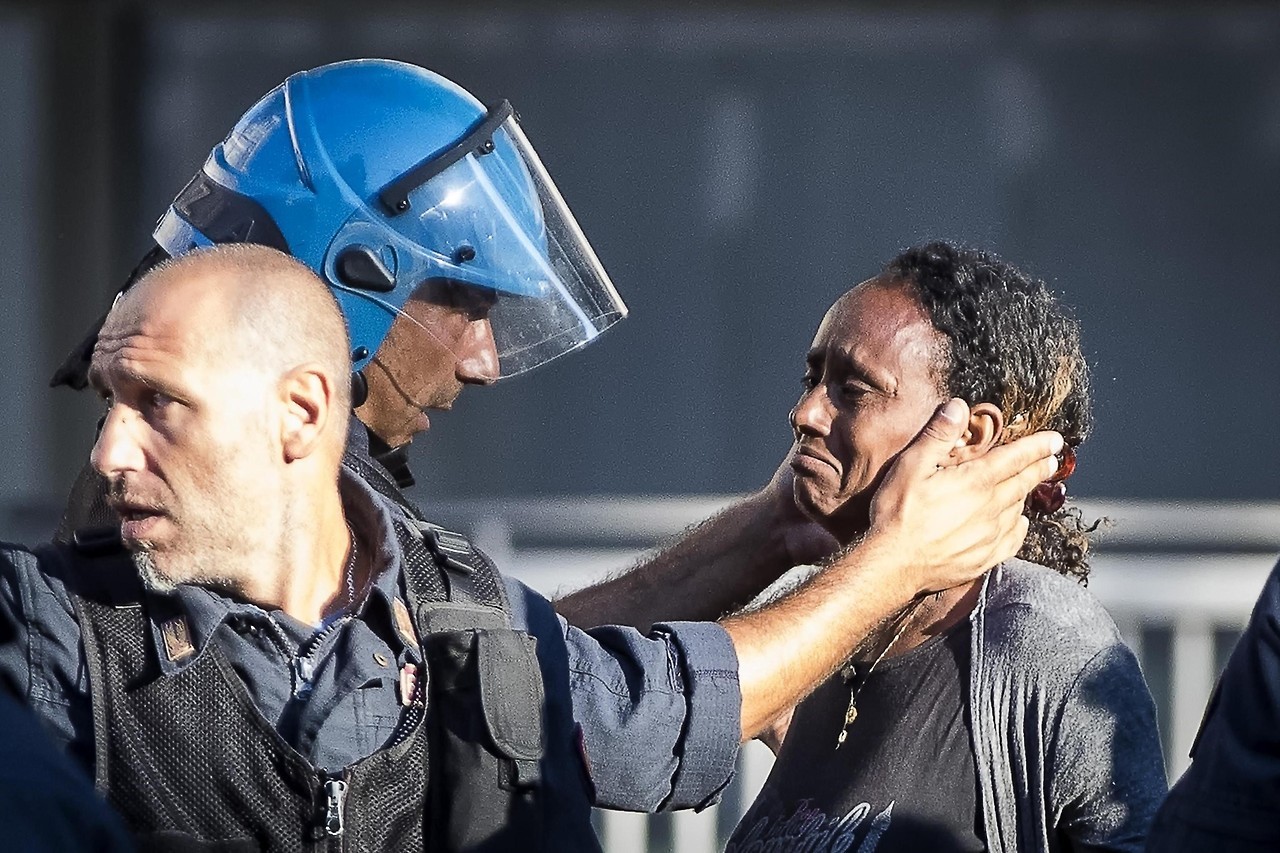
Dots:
(482, 227)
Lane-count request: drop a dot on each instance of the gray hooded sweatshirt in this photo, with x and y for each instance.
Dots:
(1064, 729)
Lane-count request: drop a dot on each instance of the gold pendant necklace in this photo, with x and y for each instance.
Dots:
(848, 671)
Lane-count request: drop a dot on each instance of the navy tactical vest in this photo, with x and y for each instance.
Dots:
(192, 765)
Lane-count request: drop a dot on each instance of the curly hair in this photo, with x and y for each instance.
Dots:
(1012, 345)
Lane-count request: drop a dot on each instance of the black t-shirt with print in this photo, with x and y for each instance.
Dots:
(903, 781)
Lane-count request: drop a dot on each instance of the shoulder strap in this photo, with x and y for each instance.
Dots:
(450, 590)
(105, 588)
(379, 480)
(470, 579)
(94, 565)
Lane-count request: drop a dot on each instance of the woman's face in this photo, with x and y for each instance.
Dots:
(871, 382)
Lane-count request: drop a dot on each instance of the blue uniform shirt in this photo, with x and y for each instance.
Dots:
(1228, 801)
(656, 718)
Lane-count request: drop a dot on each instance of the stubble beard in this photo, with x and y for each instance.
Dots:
(144, 560)
(162, 571)
(213, 549)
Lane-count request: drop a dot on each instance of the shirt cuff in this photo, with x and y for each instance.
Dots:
(713, 718)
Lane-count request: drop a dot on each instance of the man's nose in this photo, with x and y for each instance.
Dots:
(812, 414)
(477, 354)
(117, 450)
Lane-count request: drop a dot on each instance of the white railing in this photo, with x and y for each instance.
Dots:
(1179, 579)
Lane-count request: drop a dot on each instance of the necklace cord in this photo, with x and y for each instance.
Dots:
(903, 619)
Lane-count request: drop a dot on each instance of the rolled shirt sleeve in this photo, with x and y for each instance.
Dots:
(659, 713)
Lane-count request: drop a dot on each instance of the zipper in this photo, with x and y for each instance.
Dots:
(335, 800)
(304, 662)
(413, 707)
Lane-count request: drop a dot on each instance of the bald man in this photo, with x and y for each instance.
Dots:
(281, 653)
(252, 671)
(223, 436)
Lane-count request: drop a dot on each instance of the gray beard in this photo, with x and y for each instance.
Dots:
(152, 580)
(156, 581)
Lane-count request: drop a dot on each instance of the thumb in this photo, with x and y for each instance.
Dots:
(939, 436)
(922, 458)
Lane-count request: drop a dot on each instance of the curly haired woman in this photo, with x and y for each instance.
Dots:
(1005, 715)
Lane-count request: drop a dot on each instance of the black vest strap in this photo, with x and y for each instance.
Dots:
(471, 577)
(473, 631)
(379, 479)
(471, 626)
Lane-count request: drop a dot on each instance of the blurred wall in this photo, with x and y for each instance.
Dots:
(736, 170)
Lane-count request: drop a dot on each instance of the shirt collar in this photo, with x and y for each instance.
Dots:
(365, 442)
(184, 621)
(373, 519)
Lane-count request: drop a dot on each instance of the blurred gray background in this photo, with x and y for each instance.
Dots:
(736, 166)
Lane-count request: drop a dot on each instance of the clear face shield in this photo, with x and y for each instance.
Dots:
(480, 238)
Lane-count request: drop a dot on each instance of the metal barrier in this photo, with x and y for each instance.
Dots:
(1179, 579)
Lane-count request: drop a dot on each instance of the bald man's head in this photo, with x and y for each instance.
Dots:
(228, 380)
(252, 303)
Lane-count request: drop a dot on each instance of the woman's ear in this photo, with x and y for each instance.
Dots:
(986, 426)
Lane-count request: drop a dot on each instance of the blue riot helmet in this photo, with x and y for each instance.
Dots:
(389, 180)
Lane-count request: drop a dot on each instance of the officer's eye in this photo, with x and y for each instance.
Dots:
(475, 302)
(158, 401)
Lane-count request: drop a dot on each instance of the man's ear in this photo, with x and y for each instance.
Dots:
(307, 394)
(986, 426)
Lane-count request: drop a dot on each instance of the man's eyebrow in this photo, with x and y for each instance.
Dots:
(155, 384)
(98, 380)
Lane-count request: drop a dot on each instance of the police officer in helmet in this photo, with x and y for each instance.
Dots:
(451, 253)
(455, 261)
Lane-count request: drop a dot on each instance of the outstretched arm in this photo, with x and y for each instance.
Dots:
(931, 528)
(721, 564)
(714, 568)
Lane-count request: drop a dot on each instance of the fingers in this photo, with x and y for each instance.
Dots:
(1017, 457)
(1013, 491)
(947, 424)
(1013, 470)
(999, 537)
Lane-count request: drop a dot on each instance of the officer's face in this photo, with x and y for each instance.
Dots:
(185, 446)
(442, 341)
(871, 384)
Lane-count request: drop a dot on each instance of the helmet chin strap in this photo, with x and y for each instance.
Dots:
(404, 395)
(394, 459)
